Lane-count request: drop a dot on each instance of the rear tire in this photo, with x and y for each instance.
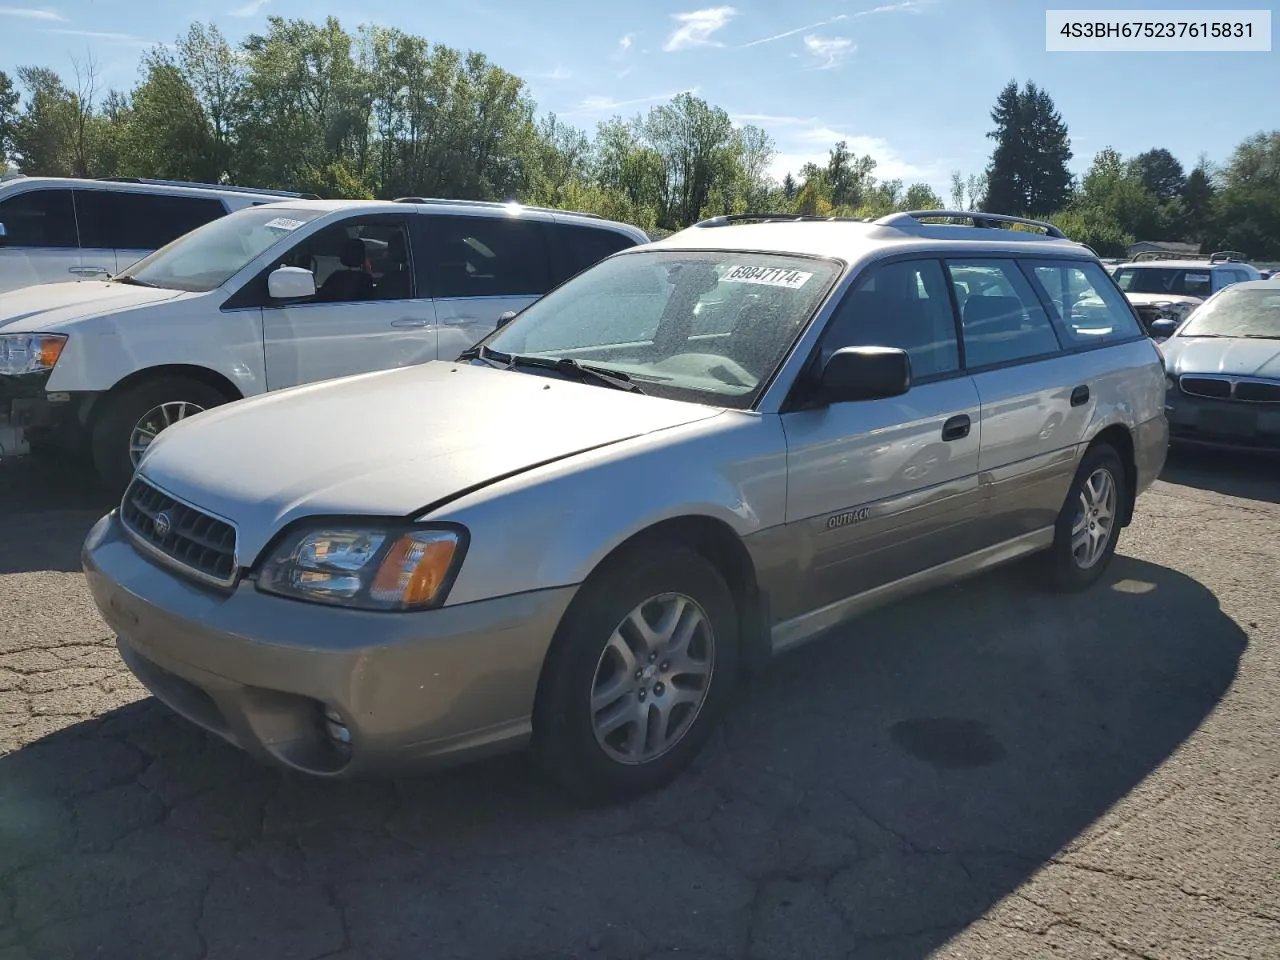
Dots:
(149, 403)
(622, 710)
(1088, 527)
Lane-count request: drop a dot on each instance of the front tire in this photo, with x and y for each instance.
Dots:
(1088, 527)
(640, 669)
(136, 416)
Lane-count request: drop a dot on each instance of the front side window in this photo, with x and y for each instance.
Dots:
(1086, 303)
(211, 255)
(488, 257)
(903, 305)
(646, 315)
(1167, 280)
(1248, 312)
(1001, 317)
(361, 259)
(39, 218)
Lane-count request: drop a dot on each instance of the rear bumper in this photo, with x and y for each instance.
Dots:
(413, 689)
(1222, 424)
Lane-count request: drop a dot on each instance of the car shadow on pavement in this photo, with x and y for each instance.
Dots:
(868, 797)
(1252, 476)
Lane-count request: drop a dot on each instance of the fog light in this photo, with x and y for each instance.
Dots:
(336, 727)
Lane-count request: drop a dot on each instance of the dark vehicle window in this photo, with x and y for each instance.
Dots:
(1172, 280)
(39, 218)
(582, 247)
(903, 305)
(147, 221)
(361, 259)
(1087, 306)
(488, 257)
(1000, 315)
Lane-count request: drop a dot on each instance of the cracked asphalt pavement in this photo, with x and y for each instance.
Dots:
(988, 771)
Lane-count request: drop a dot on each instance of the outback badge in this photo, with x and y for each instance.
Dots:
(847, 518)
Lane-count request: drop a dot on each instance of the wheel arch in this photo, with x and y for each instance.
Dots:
(1119, 438)
(206, 375)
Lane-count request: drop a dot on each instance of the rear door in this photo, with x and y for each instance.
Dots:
(99, 217)
(878, 490)
(480, 267)
(1036, 398)
(39, 243)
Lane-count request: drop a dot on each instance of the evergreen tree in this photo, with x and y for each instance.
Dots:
(1028, 171)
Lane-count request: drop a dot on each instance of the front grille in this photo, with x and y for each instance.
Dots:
(189, 538)
(1212, 387)
(1258, 392)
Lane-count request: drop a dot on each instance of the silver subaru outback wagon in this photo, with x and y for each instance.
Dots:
(695, 455)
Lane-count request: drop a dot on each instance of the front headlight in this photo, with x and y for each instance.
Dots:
(22, 353)
(368, 568)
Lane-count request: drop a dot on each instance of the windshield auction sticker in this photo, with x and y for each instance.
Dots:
(767, 276)
(285, 223)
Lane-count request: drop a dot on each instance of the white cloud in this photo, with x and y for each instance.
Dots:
(906, 6)
(792, 33)
(601, 104)
(625, 43)
(697, 27)
(126, 38)
(771, 118)
(561, 72)
(249, 9)
(31, 13)
(812, 145)
(829, 51)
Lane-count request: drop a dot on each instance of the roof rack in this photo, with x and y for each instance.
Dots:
(1168, 255)
(495, 204)
(211, 186)
(1228, 256)
(726, 219)
(981, 220)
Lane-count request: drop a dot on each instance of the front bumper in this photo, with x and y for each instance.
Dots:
(413, 688)
(26, 411)
(1222, 424)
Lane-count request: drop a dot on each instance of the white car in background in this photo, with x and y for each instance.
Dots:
(60, 229)
(269, 297)
(1162, 288)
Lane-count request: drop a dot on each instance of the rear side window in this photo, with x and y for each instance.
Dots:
(487, 257)
(140, 221)
(582, 247)
(1000, 315)
(39, 218)
(1087, 306)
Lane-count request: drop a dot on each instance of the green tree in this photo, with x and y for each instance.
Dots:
(167, 133)
(1028, 171)
(695, 144)
(1161, 174)
(44, 133)
(921, 196)
(1249, 204)
(9, 97)
(1199, 197)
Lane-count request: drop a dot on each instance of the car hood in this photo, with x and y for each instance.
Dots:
(1137, 298)
(47, 306)
(389, 443)
(1223, 355)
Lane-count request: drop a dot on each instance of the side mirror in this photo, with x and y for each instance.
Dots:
(291, 283)
(1163, 328)
(505, 318)
(865, 373)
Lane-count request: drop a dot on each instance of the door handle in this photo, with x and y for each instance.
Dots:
(1080, 395)
(88, 271)
(411, 322)
(956, 428)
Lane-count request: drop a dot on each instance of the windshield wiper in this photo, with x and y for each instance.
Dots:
(566, 365)
(133, 281)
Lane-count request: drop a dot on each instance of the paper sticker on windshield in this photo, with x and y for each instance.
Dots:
(1197, 278)
(767, 276)
(285, 223)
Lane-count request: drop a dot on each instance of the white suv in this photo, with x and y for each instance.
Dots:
(55, 229)
(272, 296)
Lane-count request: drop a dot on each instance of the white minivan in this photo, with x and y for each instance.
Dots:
(272, 296)
(59, 229)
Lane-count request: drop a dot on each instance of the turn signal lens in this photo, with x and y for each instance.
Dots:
(415, 568)
(22, 353)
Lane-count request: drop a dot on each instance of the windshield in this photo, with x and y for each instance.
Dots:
(209, 256)
(1171, 280)
(707, 326)
(1248, 312)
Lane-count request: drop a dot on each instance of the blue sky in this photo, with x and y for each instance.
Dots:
(909, 81)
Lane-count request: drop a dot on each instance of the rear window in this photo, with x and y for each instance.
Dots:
(1085, 303)
(1181, 281)
(582, 247)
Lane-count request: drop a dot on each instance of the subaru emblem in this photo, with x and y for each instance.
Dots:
(163, 524)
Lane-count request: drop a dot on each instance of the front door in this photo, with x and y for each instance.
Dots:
(878, 490)
(40, 243)
(367, 313)
(480, 268)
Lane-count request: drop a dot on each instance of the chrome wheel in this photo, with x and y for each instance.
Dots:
(652, 678)
(154, 421)
(1095, 518)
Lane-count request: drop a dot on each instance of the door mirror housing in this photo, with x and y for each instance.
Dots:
(505, 318)
(291, 283)
(1163, 328)
(865, 373)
